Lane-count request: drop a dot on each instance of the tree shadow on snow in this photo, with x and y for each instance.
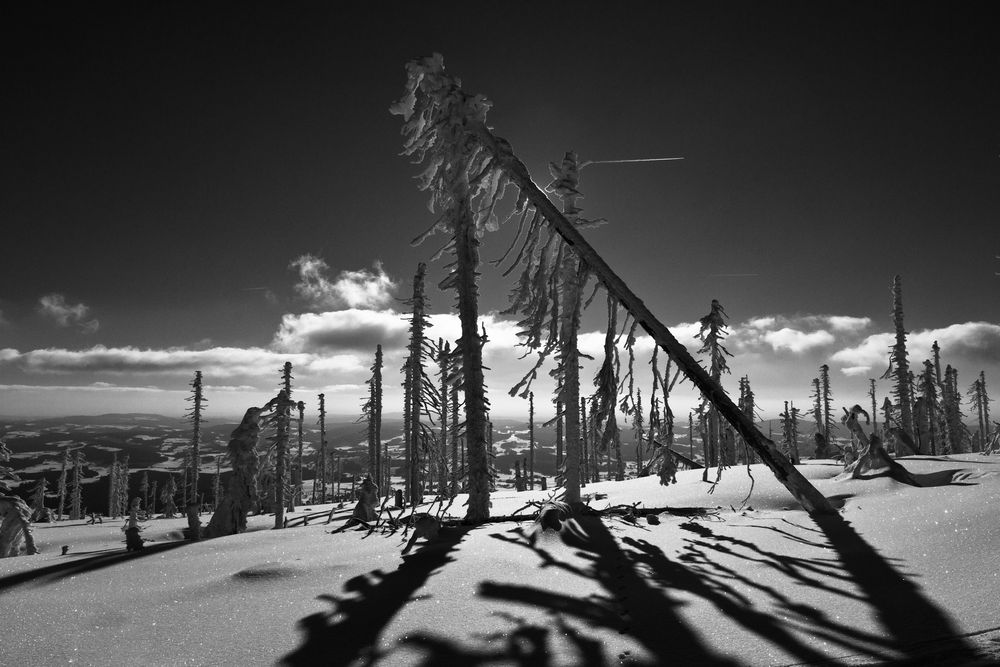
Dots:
(351, 629)
(911, 618)
(629, 605)
(528, 644)
(71, 568)
(640, 581)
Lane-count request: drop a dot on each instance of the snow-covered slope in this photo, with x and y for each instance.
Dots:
(714, 582)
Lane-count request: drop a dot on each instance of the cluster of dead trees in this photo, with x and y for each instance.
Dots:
(921, 415)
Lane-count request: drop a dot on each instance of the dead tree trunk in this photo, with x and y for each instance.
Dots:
(811, 499)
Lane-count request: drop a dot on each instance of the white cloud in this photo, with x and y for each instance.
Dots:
(351, 289)
(971, 342)
(848, 323)
(852, 371)
(94, 386)
(797, 341)
(216, 361)
(54, 306)
(351, 329)
(761, 323)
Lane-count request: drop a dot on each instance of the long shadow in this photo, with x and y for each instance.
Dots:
(705, 575)
(903, 610)
(528, 645)
(630, 606)
(71, 568)
(351, 629)
(627, 575)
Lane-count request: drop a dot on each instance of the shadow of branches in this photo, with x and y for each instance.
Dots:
(350, 631)
(630, 605)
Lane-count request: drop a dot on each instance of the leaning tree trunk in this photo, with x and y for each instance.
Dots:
(241, 492)
(467, 259)
(811, 499)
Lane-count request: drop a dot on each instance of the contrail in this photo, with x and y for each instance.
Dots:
(642, 159)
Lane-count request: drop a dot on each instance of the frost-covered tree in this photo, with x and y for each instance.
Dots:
(790, 431)
(638, 430)
(281, 422)
(468, 169)
(434, 109)
(112, 486)
(956, 440)
(420, 393)
(320, 473)
(194, 415)
(241, 491)
(371, 414)
(748, 406)
(604, 411)
(457, 445)
(927, 423)
(871, 395)
(121, 487)
(38, 492)
(711, 334)
(167, 497)
(531, 440)
(144, 490)
(296, 497)
(585, 458)
(217, 484)
(899, 366)
(15, 527)
(445, 439)
(549, 296)
(63, 480)
(76, 492)
(981, 404)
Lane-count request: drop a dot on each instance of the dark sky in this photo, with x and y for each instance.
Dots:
(164, 164)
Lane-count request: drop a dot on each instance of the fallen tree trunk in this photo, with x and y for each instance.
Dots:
(811, 499)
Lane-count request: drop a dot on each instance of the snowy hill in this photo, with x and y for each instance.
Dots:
(902, 574)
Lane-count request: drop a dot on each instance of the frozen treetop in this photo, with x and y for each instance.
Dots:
(439, 123)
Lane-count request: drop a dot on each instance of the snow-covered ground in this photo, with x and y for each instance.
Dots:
(713, 582)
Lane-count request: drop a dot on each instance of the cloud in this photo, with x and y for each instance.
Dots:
(361, 289)
(852, 371)
(970, 342)
(216, 361)
(94, 386)
(351, 329)
(797, 333)
(847, 323)
(54, 306)
(797, 341)
(761, 322)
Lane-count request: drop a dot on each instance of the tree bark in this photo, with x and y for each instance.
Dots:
(467, 260)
